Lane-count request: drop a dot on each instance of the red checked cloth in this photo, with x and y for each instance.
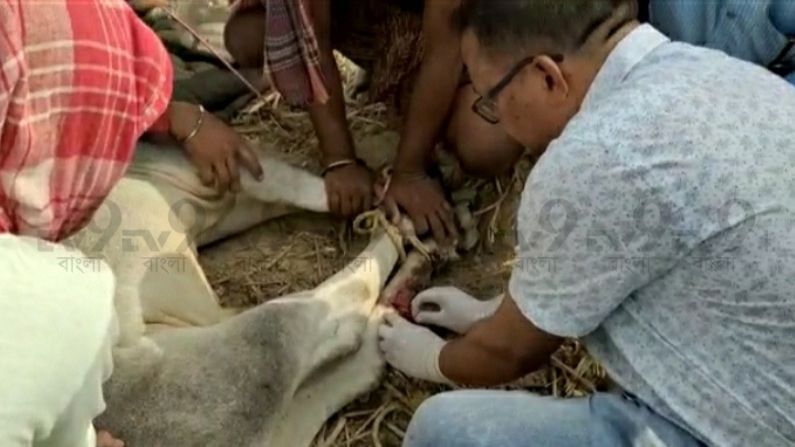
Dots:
(292, 56)
(80, 82)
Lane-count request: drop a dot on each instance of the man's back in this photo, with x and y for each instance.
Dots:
(679, 267)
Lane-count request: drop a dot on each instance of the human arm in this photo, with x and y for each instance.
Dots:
(578, 228)
(497, 350)
(570, 274)
(411, 188)
(214, 147)
(350, 186)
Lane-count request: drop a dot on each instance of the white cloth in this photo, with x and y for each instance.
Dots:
(56, 329)
(451, 308)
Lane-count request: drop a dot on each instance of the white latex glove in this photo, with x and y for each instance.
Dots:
(410, 348)
(451, 308)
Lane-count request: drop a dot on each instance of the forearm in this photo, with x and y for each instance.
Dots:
(471, 361)
(497, 350)
(428, 109)
(329, 119)
(175, 123)
(434, 92)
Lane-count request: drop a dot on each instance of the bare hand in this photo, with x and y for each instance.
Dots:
(215, 150)
(350, 190)
(423, 200)
(104, 439)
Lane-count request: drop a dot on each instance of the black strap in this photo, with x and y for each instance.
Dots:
(643, 11)
(783, 64)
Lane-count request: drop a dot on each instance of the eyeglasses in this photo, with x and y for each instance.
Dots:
(486, 105)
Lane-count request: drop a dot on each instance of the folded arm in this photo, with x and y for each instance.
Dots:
(498, 350)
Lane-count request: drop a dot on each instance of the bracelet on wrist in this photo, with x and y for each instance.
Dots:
(196, 127)
(339, 164)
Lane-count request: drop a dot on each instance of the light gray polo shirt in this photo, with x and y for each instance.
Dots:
(660, 228)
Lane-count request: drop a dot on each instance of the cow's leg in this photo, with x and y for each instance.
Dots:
(329, 390)
(284, 189)
(177, 294)
(253, 364)
(283, 185)
(338, 383)
(128, 303)
(286, 184)
(246, 213)
(348, 299)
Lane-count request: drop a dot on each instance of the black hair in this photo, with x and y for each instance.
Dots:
(563, 25)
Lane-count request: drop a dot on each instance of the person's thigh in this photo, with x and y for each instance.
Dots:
(496, 418)
(519, 419)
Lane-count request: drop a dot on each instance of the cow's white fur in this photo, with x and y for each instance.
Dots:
(152, 222)
(283, 367)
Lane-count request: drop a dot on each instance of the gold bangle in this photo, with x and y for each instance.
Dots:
(197, 127)
(338, 164)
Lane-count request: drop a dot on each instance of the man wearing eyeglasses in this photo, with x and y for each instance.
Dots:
(656, 227)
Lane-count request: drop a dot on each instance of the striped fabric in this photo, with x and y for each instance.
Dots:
(292, 57)
(80, 82)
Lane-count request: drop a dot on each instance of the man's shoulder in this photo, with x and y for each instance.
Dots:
(681, 93)
(572, 174)
(696, 69)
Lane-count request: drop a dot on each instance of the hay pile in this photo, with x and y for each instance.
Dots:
(298, 252)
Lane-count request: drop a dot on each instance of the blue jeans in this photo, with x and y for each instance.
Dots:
(519, 419)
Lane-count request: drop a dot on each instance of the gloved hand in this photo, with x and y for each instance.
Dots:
(410, 348)
(451, 308)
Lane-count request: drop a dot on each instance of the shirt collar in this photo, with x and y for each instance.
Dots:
(625, 56)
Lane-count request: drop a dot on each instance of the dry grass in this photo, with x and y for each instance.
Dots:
(298, 252)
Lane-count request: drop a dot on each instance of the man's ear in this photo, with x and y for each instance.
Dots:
(554, 81)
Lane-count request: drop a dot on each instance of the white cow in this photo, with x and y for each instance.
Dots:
(149, 228)
(189, 373)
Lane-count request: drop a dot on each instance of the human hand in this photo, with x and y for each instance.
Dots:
(214, 148)
(350, 190)
(410, 348)
(451, 308)
(104, 439)
(423, 200)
